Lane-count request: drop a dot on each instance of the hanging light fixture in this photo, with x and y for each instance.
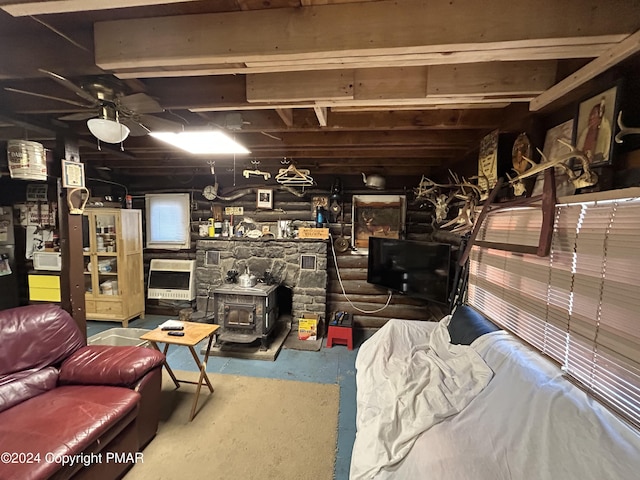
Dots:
(107, 127)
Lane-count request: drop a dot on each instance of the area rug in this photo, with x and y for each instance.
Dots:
(249, 428)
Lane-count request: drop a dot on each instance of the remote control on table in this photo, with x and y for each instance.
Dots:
(175, 333)
(169, 329)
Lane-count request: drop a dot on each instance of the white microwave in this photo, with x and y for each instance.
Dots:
(47, 261)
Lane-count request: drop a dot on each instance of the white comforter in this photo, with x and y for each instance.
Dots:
(408, 380)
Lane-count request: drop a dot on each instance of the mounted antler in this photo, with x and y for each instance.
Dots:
(586, 179)
(460, 190)
(624, 130)
(427, 187)
(465, 219)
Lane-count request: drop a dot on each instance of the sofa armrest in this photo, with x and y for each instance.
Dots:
(109, 365)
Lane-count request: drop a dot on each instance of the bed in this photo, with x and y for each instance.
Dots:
(460, 399)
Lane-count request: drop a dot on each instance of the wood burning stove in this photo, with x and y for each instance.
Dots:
(245, 314)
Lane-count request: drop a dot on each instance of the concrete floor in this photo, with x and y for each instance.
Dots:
(329, 365)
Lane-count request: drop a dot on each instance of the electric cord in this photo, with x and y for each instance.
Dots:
(344, 293)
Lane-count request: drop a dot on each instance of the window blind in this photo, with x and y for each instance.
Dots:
(581, 304)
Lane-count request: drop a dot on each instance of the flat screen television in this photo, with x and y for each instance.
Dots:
(412, 268)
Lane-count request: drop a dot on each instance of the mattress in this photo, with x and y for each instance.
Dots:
(527, 422)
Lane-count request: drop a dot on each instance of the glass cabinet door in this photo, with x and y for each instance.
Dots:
(101, 257)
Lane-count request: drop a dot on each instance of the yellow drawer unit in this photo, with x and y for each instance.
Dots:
(44, 288)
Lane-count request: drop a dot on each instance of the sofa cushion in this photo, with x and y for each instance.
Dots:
(63, 421)
(36, 336)
(21, 386)
(466, 325)
(109, 365)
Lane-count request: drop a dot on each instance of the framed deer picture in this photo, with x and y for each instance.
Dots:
(377, 216)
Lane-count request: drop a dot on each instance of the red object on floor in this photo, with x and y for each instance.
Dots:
(339, 334)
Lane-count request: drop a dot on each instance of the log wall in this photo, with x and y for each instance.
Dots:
(364, 301)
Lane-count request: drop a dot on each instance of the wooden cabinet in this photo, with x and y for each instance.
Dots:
(113, 265)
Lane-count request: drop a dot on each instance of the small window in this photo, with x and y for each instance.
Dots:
(168, 218)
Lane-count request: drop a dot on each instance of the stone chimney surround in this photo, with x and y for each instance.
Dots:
(300, 265)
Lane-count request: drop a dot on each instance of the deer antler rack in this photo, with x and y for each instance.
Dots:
(585, 179)
(624, 130)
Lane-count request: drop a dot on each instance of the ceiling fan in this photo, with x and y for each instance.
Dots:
(112, 115)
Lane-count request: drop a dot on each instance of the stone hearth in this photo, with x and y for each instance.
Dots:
(299, 265)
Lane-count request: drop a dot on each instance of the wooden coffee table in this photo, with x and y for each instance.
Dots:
(194, 333)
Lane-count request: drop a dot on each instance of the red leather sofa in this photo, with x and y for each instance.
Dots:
(68, 410)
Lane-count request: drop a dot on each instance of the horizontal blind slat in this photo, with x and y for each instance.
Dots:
(580, 305)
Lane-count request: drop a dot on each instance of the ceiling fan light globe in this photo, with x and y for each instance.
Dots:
(108, 131)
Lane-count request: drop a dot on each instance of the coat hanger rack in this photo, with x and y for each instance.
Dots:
(256, 171)
(294, 176)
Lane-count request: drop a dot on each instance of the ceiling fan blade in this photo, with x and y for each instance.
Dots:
(135, 128)
(93, 101)
(78, 116)
(50, 97)
(140, 103)
(158, 124)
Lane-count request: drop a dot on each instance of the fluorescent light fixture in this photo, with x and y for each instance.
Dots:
(201, 142)
(108, 131)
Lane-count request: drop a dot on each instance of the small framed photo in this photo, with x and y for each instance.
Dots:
(72, 174)
(264, 198)
(594, 127)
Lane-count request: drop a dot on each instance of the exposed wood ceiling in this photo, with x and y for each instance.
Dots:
(338, 86)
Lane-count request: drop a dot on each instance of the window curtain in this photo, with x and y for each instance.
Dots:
(581, 304)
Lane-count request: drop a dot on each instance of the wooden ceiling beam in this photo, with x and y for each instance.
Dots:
(286, 115)
(495, 79)
(270, 163)
(353, 139)
(584, 49)
(492, 78)
(321, 113)
(451, 106)
(345, 154)
(390, 104)
(616, 54)
(349, 118)
(359, 138)
(21, 8)
(300, 86)
(348, 31)
(342, 170)
(23, 54)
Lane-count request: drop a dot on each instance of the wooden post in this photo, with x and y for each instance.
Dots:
(72, 274)
(476, 228)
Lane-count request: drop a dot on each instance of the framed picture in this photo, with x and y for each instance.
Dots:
(377, 216)
(488, 161)
(594, 127)
(264, 198)
(72, 174)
